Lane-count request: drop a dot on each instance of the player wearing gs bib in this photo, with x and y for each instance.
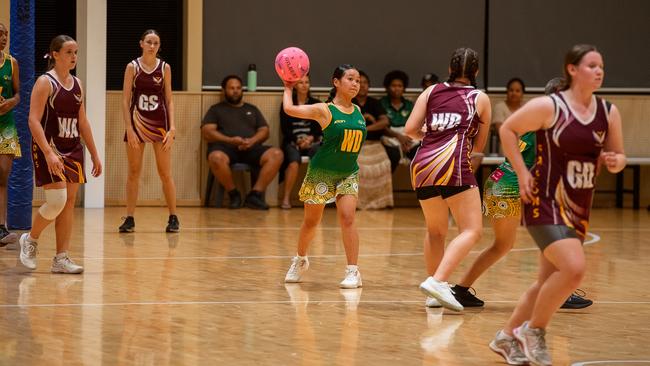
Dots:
(575, 131)
(333, 170)
(148, 107)
(148, 112)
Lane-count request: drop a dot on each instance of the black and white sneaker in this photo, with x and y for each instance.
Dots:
(466, 298)
(128, 226)
(173, 226)
(6, 237)
(577, 300)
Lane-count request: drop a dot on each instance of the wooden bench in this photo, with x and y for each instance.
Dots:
(633, 163)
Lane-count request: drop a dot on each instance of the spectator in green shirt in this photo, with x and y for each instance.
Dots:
(398, 109)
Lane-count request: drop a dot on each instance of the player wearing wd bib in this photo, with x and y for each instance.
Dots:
(333, 170)
(452, 119)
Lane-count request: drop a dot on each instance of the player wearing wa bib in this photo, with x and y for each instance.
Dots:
(333, 170)
(148, 108)
(60, 124)
(565, 170)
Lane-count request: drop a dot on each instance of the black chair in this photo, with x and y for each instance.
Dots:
(237, 167)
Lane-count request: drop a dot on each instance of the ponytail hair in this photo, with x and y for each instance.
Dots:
(331, 95)
(463, 63)
(55, 46)
(573, 57)
(555, 85)
(338, 74)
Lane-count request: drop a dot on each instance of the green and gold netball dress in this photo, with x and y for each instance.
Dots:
(334, 170)
(8, 136)
(501, 189)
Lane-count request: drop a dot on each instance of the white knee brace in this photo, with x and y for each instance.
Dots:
(54, 203)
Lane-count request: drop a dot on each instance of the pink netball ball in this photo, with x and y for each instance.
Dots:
(291, 64)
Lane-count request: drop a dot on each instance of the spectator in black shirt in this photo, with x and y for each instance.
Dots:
(373, 112)
(375, 179)
(235, 132)
(299, 138)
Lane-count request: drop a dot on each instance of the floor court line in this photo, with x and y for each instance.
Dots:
(594, 239)
(273, 302)
(336, 228)
(610, 362)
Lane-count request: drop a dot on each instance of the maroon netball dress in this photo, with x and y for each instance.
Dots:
(565, 170)
(60, 123)
(148, 107)
(451, 123)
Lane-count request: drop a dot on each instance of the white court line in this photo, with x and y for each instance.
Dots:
(328, 228)
(269, 302)
(594, 239)
(608, 362)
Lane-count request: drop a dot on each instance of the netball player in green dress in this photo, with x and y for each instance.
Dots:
(332, 175)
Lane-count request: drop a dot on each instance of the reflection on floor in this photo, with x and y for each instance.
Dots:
(214, 294)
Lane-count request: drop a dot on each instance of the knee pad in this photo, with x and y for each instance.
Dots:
(54, 203)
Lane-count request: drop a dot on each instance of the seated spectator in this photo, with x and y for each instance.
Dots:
(299, 138)
(502, 110)
(235, 131)
(375, 179)
(428, 80)
(398, 109)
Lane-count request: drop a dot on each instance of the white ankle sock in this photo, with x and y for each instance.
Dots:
(352, 267)
(503, 335)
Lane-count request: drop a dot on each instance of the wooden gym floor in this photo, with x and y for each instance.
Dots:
(214, 295)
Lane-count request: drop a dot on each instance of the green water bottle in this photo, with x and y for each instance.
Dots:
(252, 78)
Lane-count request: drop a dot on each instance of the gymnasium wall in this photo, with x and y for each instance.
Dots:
(521, 38)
